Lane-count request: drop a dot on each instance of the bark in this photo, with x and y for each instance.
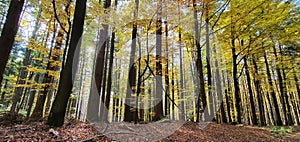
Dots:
(259, 95)
(167, 78)
(110, 70)
(283, 92)
(102, 105)
(97, 79)
(94, 97)
(139, 84)
(48, 79)
(219, 88)
(283, 87)
(103, 72)
(158, 108)
(109, 78)
(201, 98)
(227, 97)
(32, 96)
(26, 62)
(173, 88)
(57, 113)
(252, 105)
(238, 103)
(8, 34)
(4, 92)
(129, 115)
(81, 85)
(278, 120)
(297, 86)
(208, 67)
(181, 115)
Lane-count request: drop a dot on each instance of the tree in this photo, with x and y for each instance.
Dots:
(158, 108)
(128, 114)
(57, 112)
(201, 96)
(9, 32)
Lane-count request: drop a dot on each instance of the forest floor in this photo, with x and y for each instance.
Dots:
(74, 130)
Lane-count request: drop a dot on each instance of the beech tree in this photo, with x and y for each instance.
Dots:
(9, 32)
(58, 110)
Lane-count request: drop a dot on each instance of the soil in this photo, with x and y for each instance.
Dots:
(170, 131)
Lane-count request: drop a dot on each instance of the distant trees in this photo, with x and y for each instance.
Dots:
(153, 59)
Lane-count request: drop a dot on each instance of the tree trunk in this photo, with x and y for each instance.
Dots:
(8, 34)
(57, 113)
(129, 115)
(227, 97)
(158, 108)
(278, 120)
(283, 92)
(94, 97)
(202, 96)
(181, 88)
(48, 79)
(259, 94)
(109, 77)
(26, 62)
(252, 105)
(32, 96)
(167, 79)
(102, 94)
(211, 110)
(219, 88)
(238, 103)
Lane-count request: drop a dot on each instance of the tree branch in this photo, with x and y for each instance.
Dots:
(57, 18)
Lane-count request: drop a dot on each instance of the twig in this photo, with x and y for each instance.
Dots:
(130, 129)
(108, 133)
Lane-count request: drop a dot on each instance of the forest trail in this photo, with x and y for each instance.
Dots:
(74, 130)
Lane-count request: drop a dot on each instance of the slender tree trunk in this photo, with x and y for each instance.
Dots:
(208, 67)
(57, 113)
(202, 96)
(259, 95)
(109, 77)
(297, 87)
(129, 115)
(8, 34)
(283, 91)
(48, 79)
(94, 97)
(219, 88)
(181, 115)
(26, 62)
(32, 96)
(103, 90)
(252, 105)
(22, 104)
(228, 98)
(4, 92)
(283, 94)
(158, 108)
(167, 79)
(238, 103)
(103, 73)
(278, 120)
(270, 113)
(173, 88)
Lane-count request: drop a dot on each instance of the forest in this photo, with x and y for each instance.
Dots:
(160, 69)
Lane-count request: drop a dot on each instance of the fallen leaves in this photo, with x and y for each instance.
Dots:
(76, 131)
